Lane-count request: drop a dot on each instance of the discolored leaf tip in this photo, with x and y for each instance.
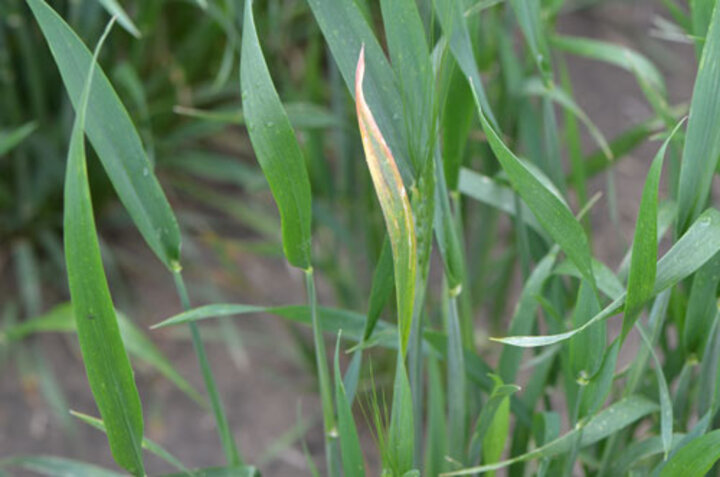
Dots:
(360, 73)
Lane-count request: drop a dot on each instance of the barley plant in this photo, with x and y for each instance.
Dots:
(432, 172)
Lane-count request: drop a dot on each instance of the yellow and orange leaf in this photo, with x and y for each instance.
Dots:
(394, 202)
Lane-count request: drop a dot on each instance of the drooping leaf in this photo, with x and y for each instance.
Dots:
(114, 138)
(554, 215)
(618, 55)
(610, 420)
(645, 243)
(695, 247)
(276, 147)
(491, 192)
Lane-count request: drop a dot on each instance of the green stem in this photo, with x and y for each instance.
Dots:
(323, 377)
(226, 437)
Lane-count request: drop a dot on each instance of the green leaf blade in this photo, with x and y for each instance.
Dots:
(106, 362)
(551, 212)
(702, 143)
(276, 147)
(114, 138)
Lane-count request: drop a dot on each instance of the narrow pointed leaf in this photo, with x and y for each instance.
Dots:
(455, 29)
(618, 55)
(106, 362)
(114, 138)
(123, 19)
(350, 450)
(147, 444)
(696, 458)
(610, 420)
(56, 466)
(10, 139)
(645, 243)
(699, 244)
(702, 143)
(410, 57)
(62, 319)
(554, 215)
(276, 147)
(666, 408)
(346, 31)
(394, 203)
(402, 428)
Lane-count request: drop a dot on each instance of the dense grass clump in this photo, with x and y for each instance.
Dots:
(396, 138)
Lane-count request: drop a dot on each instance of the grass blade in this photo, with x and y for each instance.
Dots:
(116, 10)
(702, 307)
(381, 288)
(586, 348)
(350, 450)
(645, 244)
(702, 144)
(381, 92)
(699, 244)
(62, 319)
(410, 57)
(489, 191)
(10, 139)
(114, 138)
(696, 458)
(551, 212)
(106, 362)
(56, 466)
(453, 24)
(617, 55)
(456, 384)
(402, 428)
(147, 444)
(394, 203)
(666, 409)
(529, 17)
(276, 147)
(615, 417)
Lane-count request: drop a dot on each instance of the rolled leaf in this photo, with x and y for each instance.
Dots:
(394, 203)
